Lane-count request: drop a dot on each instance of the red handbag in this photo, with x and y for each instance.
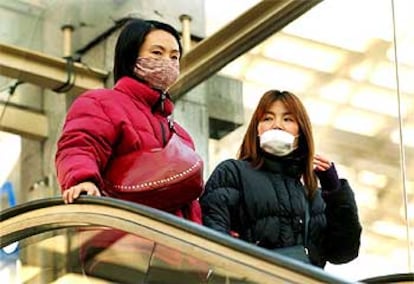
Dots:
(164, 178)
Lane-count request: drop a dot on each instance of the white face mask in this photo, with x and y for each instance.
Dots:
(277, 142)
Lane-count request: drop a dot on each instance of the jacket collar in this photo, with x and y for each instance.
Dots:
(292, 165)
(143, 93)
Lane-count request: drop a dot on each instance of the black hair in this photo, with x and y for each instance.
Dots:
(130, 41)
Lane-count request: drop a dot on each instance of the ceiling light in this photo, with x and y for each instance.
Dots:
(361, 71)
(405, 78)
(410, 187)
(386, 102)
(405, 54)
(367, 196)
(338, 90)
(360, 122)
(408, 136)
(410, 211)
(278, 75)
(372, 179)
(390, 229)
(303, 53)
(320, 112)
(385, 75)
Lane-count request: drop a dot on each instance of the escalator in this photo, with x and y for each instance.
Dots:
(105, 240)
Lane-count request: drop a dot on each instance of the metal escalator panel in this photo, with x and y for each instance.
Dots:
(103, 240)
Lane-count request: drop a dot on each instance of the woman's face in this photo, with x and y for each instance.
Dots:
(278, 117)
(159, 44)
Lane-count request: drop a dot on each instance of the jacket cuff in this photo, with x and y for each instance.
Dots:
(329, 179)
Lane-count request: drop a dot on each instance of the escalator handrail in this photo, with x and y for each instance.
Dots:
(392, 278)
(181, 224)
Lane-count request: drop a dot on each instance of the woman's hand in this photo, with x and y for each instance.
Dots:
(326, 172)
(72, 193)
(321, 163)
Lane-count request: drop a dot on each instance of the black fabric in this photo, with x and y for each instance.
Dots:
(267, 207)
(291, 165)
(297, 252)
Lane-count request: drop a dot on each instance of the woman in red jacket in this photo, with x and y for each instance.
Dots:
(109, 134)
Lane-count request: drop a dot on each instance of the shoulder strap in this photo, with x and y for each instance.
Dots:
(170, 120)
(303, 237)
(307, 217)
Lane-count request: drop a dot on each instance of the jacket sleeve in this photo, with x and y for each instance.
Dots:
(220, 200)
(342, 239)
(85, 144)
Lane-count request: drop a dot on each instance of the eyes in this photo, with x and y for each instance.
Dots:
(285, 118)
(158, 53)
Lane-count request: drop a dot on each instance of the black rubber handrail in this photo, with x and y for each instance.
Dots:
(391, 278)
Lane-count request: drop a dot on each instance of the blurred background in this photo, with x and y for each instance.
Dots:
(351, 63)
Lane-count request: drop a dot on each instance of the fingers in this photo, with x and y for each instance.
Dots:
(321, 163)
(93, 191)
(72, 193)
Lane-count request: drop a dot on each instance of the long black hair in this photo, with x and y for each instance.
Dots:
(130, 41)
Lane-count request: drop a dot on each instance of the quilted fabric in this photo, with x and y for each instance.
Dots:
(106, 123)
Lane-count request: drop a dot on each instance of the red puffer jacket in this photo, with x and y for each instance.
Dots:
(106, 123)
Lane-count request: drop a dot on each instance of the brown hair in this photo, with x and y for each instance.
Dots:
(250, 148)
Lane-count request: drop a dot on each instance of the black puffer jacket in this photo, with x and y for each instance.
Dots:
(267, 207)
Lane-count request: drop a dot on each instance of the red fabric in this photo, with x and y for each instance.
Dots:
(174, 172)
(191, 212)
(104, 123)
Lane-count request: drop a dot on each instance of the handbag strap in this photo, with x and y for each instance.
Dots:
(307, 217)
(305, 234)
(171, 127)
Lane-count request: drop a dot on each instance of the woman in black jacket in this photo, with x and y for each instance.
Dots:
(269, 196)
